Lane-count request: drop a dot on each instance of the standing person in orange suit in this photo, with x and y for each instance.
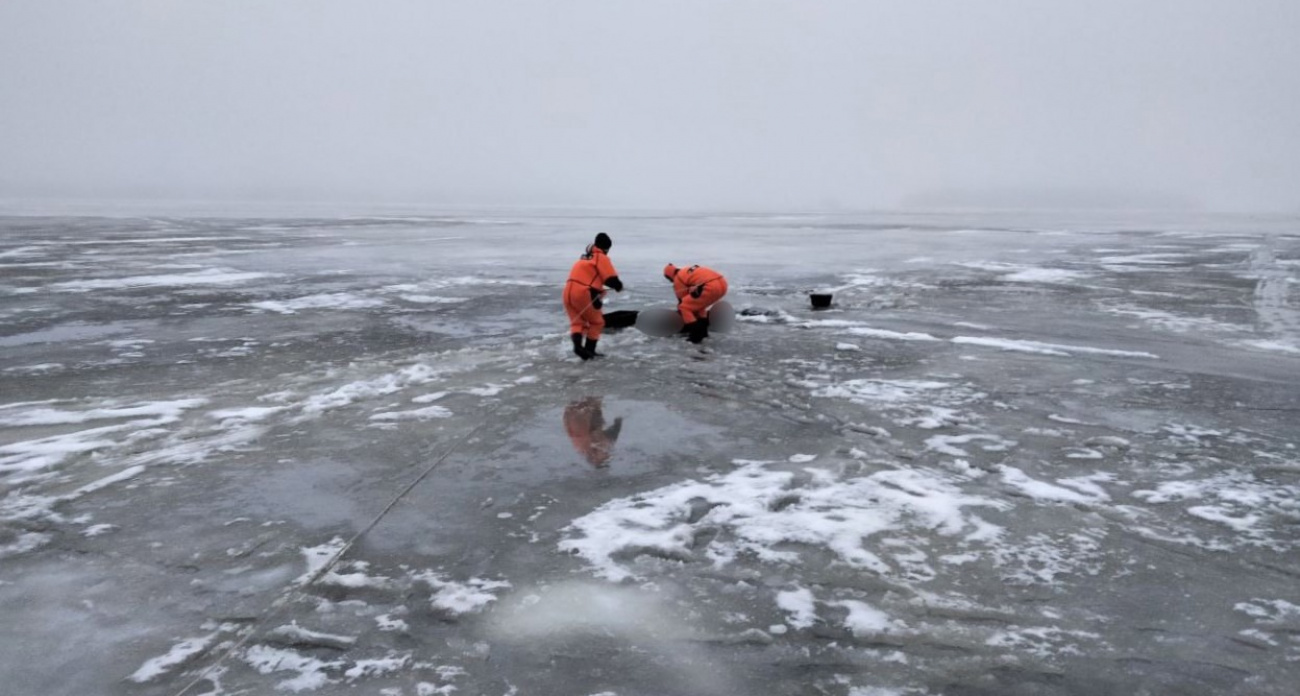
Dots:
(584, 421)
(697, 288)
(582, 293)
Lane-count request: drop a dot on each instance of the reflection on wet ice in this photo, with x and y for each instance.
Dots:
(584, 421)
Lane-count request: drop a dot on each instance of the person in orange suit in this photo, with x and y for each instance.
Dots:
(697, 288)
(584, 421)
(582, 293)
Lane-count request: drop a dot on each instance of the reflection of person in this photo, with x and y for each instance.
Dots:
(584, 420)
(582, 293)
(697, 288)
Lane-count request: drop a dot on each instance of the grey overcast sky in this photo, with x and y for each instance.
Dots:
(702, 104)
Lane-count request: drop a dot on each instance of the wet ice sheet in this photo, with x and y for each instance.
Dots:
(980, 472)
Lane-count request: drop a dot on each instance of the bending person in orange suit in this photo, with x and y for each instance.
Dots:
(697, 288)
(582, 293)
(585, 422)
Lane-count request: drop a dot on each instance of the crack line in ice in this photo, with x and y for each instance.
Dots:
(322, 560)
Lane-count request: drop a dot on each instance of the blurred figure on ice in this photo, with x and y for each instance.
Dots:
(582, 293)
(697, 288)
(584, 421)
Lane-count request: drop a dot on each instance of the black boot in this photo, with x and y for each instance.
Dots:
(578, 350)
(699, 331)
(591, 348)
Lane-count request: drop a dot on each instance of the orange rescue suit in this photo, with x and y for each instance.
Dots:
(584, 421)
(697, 288)
(587, 283)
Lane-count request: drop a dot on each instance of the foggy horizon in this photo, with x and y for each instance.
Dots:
(828, 106)
(674, 348)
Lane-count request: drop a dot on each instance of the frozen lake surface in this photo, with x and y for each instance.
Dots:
(1022, 454)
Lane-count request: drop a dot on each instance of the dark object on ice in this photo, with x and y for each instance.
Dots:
(698, 331)
(660, 323)
(667, 322)
(722, 317)
(820, 300)
(621, 319)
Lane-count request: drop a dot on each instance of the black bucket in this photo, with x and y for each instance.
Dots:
(820, 300)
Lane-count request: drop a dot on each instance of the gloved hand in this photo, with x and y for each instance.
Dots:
(697, 291)
(597, 303)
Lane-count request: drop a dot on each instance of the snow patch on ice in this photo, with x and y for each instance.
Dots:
(154, 412)
(927, 404)
(140, 422)
(1273, 345)
(250, 414)
(799, 605)
(996, 266)
(1042, 558)
(20, 251)
(383, 385)
(179, 654)
(457, 598)
(337, 300)
(1047, 492)
(355, 575)
(1044, 642)
(488, 389)
(856, 328)
(1245, 523)
(377, 666)
(891, 335)
(1055, 349)
(1133, 262)
(584, 608)
(38, 368)
(879, 391)
(25, 542)
(433, 299)
(211, 276)
(484, 281)
(1252, 509)
(1179, 323)
(882, 691)
(318, 557)
(1270, 611)
(946, 444)
(1043, 275)
(760, 509)
(866, 620)
(311, 672)
(869, 278)
(294, 633)
(426, 413)
(95, 530)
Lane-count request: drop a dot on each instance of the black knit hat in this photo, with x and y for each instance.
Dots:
(603, 242)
